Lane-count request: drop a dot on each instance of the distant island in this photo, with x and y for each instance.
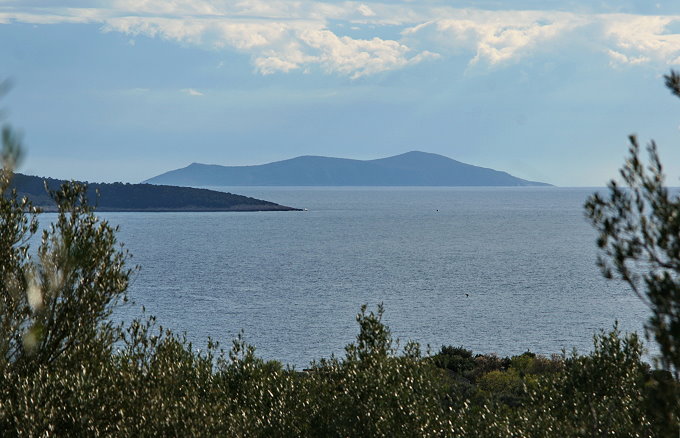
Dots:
(144, 197)
(409, 169)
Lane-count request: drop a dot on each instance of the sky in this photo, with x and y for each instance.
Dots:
(123, 90)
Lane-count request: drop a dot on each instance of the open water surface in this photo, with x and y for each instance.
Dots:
(493, 269)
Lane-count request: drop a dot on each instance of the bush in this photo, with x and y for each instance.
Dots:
(458, 360)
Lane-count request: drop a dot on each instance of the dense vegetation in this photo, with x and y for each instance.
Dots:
(141, 197)
(66, 370)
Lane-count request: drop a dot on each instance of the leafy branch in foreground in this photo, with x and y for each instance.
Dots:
(58, 300)
(639, 238)
(18, 223)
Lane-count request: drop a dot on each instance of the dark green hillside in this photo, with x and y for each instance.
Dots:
(144, 197)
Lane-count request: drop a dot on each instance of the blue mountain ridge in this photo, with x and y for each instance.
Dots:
(409, 169)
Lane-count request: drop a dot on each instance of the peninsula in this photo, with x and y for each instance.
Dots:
(409, 169)
(143, 197)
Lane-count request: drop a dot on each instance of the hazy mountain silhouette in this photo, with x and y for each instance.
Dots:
(409, 169)
(143, 197)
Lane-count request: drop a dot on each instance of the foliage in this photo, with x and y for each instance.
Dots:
(17, 224)
(61, 302)
(639, 237)
(455, 359)
(65, 370)
(601, 394)
(374, 392)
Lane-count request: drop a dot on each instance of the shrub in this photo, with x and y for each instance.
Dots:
(458, 360)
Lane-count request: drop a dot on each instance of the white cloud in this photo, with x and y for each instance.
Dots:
(279, 46)
(356, 57)
(365, 11)
(191, 92)
(273, 64)
(188, 31)
(618, 58)
(289, 35)
(495, 37)
(44, 18)
(642, 38)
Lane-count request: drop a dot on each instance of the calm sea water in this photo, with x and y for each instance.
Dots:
(494, 270)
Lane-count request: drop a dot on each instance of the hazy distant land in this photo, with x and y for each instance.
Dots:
(409, 169)
(144, 197)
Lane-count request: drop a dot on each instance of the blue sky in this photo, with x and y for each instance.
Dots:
(123, 90)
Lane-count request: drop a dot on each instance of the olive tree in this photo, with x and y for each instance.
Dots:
(18, 223)
(639, 238)
(59, 298)
(638, 227)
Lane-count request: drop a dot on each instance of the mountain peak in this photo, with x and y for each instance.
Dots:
(414, 154)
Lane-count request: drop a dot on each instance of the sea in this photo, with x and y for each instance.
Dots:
(495, 270)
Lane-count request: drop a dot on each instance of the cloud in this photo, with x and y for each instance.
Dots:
(618, 58)
(500, 37)
(279, 46)
(42, 18)
(495, 37)
(342, 55)
(640, 39)
(303, 35)
(365, 11)
(355, 57)
(191, 92)
(272, 64)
